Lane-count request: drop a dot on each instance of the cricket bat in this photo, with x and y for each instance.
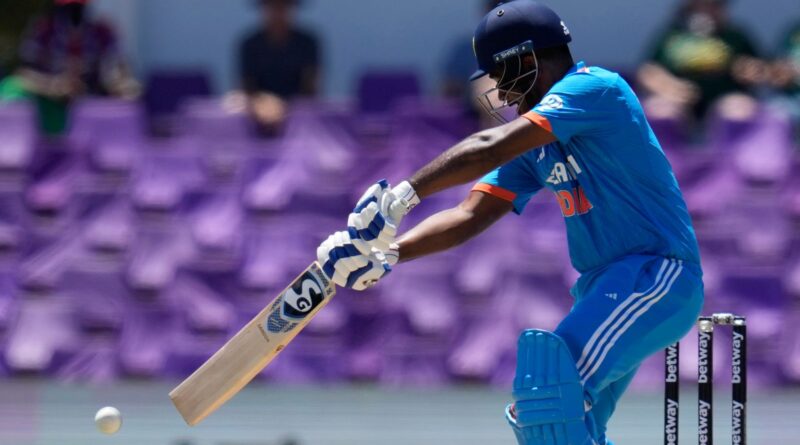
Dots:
(253, 347)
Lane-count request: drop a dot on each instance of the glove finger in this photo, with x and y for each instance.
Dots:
(324, 257)
(363, 247)
(379, 225)
(388, 235)
(360, 221)
(350, 264)
(368, 278)
(323, 250)
(370, 224)
(347, 256)
(339, 279)
(373, 193)
(373, 227)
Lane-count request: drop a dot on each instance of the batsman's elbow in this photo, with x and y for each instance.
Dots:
(483, 149)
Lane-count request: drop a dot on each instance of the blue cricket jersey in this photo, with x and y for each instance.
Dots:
(616, 189)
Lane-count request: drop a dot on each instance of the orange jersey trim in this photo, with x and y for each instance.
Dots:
(539, 120)
(506, 195)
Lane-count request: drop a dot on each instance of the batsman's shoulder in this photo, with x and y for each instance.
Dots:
(591, 81)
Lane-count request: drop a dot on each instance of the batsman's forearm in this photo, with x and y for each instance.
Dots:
(464, 162)
(440, 232)
(479, 154)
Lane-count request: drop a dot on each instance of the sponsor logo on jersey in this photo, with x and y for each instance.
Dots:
(564, 172)
(551, 102)
(572, 201)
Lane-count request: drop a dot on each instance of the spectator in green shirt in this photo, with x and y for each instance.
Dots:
(66, 54)
(785, 73)
(702, 59)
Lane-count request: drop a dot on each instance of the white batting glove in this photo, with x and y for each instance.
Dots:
(378, 213)
(349, 266)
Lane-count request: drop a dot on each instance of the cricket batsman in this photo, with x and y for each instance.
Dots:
(580, 133)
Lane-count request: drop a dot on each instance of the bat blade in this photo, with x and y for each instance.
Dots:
(253, 347)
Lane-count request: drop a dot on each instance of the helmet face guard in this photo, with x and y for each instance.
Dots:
(502, 101)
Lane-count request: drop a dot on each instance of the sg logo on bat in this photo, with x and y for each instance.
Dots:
(302, 297)
(299, 300)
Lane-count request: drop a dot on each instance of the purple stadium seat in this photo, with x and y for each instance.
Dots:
(724, 132)
(55, 172)
(9, 300)
(272, 188)
(147, 338)
(163, 179)
(17, 135)
(43, 327)
(408, 359)
(87, 361)
(311, 359)
(481, 347)
(215, 223)
(12, 217)
(110, 228)
(714, 192)
(209, 119)
(379, 91)
(166, 90)
(442, 115)
(672, 132)
(97, 292)
(791, 354)
(420, 320)
(47, 259)
(763, 155)
(261, 270)
(111, 131)
(202, 308)
(156, 257)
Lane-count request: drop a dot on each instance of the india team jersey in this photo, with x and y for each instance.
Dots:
(616, 189)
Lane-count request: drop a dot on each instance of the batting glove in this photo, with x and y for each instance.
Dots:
(378, 213)
(349, 266)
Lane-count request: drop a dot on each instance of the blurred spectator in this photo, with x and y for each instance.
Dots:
(700, 60)
(277, 63)
(459, 65)
(15, 16)
(785, 72)
(66, 54)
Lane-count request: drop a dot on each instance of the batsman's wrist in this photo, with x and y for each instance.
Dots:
(393, 254)
(407, 198)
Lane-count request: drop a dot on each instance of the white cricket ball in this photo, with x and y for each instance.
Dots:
(108, 420)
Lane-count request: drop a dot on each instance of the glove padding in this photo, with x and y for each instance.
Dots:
(350, 262)
(378, 213)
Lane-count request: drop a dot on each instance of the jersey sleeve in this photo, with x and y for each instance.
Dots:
(577, 105)
(514, 182)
